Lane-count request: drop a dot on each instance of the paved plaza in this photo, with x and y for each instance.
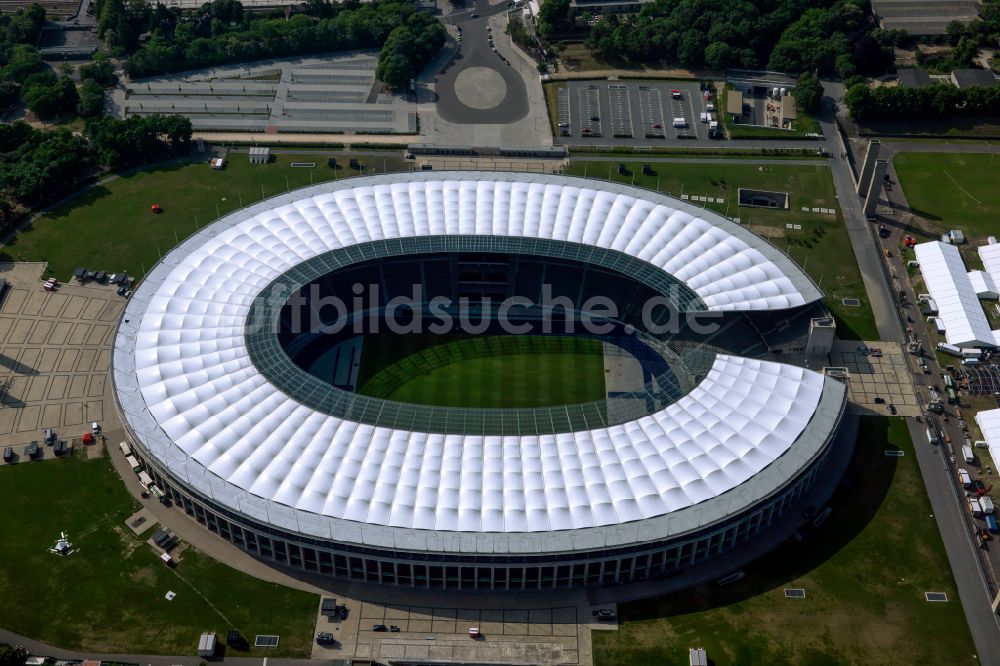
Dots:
(333, 93)
(55, 349)
(520, 635)
(869, 377)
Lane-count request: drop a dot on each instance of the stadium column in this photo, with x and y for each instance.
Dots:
(868, 166)
(875, 187)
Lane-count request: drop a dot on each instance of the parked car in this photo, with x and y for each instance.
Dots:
(325, 638)
(380, 627)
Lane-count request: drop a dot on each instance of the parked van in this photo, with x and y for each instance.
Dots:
(932, 437)
(974, 507)
(968, 455)
(680, 122)
(964, 478)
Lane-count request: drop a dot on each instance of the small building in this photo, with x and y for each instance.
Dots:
(734, 105)
(260, 155)
(789, 110)
(698, 657)
(914, 78)
(206, 645)
(967, 78)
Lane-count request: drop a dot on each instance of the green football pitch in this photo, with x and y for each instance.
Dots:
(485, 372)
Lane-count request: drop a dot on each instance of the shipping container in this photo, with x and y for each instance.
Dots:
(987, 504)
(945, 348)
(991, 523)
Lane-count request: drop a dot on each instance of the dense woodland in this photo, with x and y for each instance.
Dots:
(930, 102)
(222, 33)
(828, 38)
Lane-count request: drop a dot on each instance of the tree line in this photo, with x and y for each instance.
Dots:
(784, 35)
(928, 102)
(37, 166)
(222, 33)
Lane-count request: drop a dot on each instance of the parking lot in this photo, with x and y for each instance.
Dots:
(631, 113)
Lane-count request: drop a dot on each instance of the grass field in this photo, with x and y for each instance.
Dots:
(953, 190)
(822, 246)
(110, 226)
(865, 572)
(490, 372)
(109, 595)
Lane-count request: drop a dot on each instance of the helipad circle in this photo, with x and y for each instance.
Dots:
(480, 87)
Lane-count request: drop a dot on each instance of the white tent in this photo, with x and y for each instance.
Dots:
(989, 423)
(951, 288)
(984, 284)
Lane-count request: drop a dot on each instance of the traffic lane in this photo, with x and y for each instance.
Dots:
(972, 585)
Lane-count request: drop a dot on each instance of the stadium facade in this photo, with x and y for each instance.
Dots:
(221, 397)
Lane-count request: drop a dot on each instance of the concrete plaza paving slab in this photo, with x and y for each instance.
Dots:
(869, 377)
(54, 356)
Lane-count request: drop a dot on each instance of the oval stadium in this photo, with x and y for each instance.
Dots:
(480, 380)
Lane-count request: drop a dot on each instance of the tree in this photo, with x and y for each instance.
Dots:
(553, 16)
(718, 55)
(101, 71)
(91, 99)
(859, 101)
(808, 93)
(964, 53)
(50, 96)
(13, 656)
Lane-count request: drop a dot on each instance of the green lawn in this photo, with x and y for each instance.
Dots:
(822, 246)
(110, 227)
(485, 372)
(865, 572)
(953, 190)
(109, 595)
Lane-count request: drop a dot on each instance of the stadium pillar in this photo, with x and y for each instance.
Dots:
(875, 187)
(868, 166)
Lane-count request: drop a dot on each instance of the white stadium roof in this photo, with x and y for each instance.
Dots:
(196, 403)
(951, 288)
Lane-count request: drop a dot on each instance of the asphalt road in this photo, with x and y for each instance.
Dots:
(474, 51)
(948, 510)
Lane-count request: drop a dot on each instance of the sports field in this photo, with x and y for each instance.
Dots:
(484, 372)
(953, 190)
(865, 571)
(108, 596)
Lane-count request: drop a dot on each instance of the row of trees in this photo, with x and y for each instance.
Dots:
(784, 35)
(222, 33)
(935, 101)
(37, 166)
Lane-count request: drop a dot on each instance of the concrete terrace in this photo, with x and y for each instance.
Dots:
(324, 94)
